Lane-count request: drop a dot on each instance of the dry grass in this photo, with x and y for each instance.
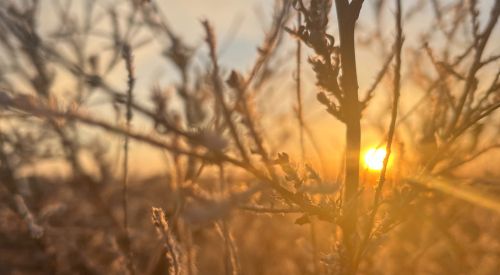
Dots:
(242, 190)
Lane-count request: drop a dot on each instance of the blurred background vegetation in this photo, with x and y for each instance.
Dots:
(208, 137)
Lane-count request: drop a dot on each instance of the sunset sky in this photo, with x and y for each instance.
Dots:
(240, 27)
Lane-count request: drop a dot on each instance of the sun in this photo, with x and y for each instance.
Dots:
(374, 158)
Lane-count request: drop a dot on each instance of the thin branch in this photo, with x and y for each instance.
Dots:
(231, 259)
(298, 90)
(127, 56)
(468, 159)
(218, 90)
(470, 80)
(378, 79)
(392, 127)
(27, 104)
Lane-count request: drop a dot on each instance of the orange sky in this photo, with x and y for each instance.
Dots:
(246, 17)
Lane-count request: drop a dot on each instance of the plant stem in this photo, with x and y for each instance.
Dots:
(349, 86)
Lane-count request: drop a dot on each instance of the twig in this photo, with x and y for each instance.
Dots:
(470, 79)
(127, 56)
(27, 105)
(173, 254)
(300, 116)
(392, 128)
(378, 79)
(218, 90)
(231, 259)
(467, 159)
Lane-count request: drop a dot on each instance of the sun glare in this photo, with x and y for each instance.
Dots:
(374, 158)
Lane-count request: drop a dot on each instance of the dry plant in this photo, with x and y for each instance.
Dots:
(234, 194)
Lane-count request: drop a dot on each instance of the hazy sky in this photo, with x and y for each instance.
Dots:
(244, 22)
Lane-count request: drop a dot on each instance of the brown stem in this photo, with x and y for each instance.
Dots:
(300, 116)
(127, 56)
(346, 16)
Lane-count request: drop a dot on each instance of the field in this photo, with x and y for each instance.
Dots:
(249, 137)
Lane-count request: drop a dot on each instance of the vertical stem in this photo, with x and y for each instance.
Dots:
(231, 260)
(349, 86)
(299, 92)
(300, 119)
(398, 44)
(127, 56)
(219, 93)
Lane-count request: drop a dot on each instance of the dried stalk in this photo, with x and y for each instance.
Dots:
(127, 56)
(398, 44)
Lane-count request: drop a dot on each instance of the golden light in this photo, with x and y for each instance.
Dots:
(374, 158)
